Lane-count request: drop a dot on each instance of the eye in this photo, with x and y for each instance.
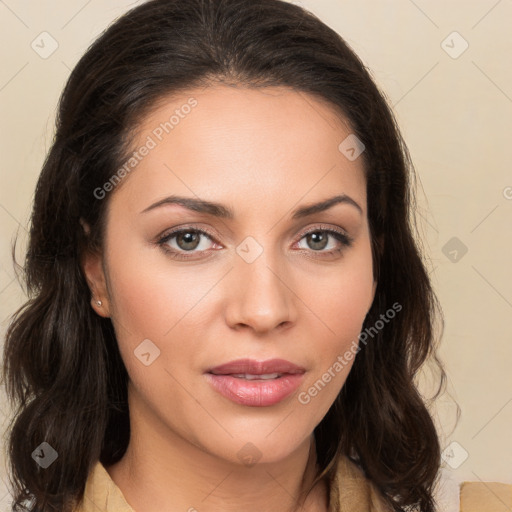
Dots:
(317, 239)
(179, 242)
(185, 240)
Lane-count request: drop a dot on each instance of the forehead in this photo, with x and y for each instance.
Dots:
(247, 145)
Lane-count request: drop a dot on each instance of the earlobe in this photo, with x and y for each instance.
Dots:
(92, 267)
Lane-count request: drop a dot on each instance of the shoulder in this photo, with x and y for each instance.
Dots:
(352, 491)
(101, 493)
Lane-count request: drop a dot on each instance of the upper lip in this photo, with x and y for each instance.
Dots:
(254, 367)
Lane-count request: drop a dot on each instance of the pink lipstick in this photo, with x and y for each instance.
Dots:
(256, 383)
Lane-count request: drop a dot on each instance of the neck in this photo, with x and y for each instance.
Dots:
(163, 472)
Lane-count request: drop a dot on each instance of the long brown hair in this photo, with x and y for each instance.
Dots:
(63, 371)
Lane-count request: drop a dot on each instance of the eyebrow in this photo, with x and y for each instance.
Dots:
(224, 212)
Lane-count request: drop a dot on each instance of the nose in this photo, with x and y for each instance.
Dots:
(261, 298)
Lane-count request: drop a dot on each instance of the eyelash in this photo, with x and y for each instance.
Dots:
(345, 240)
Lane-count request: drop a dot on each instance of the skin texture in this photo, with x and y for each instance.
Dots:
(263, 153)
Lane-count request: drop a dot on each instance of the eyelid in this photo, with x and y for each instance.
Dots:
(325, 227)
(187, 227)
(213, 235)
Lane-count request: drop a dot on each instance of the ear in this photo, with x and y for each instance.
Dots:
(92, 267)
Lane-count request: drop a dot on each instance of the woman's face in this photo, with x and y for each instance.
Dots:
(255, 287)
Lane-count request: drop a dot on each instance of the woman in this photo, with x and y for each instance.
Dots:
(227, 304)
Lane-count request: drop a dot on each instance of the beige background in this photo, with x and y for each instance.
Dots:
(454, 108)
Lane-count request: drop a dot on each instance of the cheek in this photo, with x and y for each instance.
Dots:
(341, 304)
(148, 297)
(151, 303)
(342, 299)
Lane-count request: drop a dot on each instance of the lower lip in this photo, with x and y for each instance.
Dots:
(255, 393)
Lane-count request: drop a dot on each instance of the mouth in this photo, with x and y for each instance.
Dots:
(250, 368)
(256, 383)
(248, 376)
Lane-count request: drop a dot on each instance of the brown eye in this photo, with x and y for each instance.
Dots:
(181, 241)
(188, 240)
(317, 240)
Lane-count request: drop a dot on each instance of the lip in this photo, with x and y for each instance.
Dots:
(258, 392)
(256, 367)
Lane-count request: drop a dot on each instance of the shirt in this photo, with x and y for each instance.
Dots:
(351, 492)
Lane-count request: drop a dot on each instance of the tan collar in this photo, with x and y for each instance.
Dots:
(353, 492)
(102, 494)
